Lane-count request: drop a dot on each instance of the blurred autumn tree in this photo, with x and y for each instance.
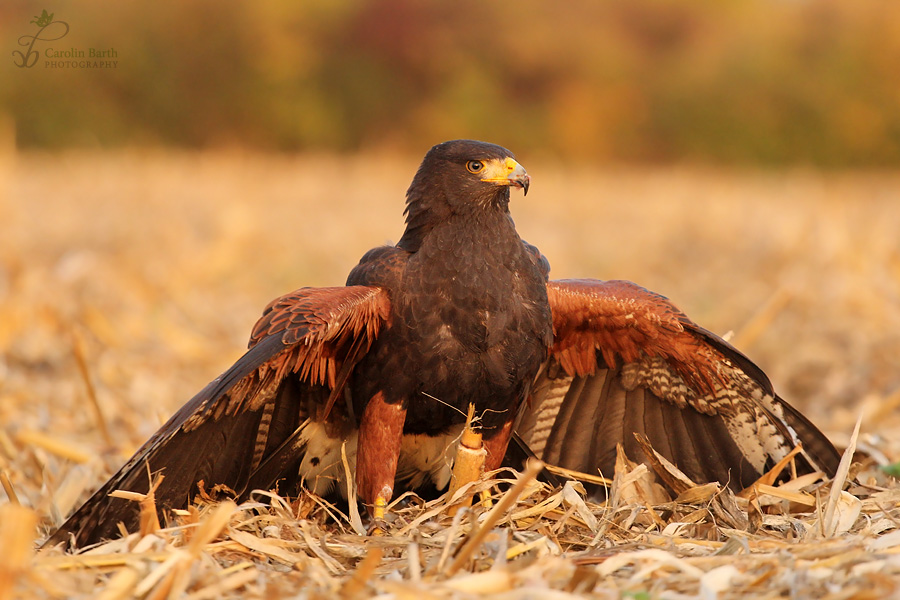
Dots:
(721, 81)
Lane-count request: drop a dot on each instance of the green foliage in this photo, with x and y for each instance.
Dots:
(744, 81)
(892, 469)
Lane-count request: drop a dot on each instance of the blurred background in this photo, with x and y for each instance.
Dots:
(738, 156)
(764, 82)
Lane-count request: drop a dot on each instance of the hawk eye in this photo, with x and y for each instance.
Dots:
(474, 166)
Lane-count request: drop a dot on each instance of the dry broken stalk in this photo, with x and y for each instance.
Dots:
(362, 575)
(469, 463)
(770, 477)
(355, 520)
(31, 437)
(81, 361)
(509, 498)
(8, 487)
(17, 525)
(829, 522)
(149, 518)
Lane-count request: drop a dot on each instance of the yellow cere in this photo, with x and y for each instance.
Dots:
(499, 172)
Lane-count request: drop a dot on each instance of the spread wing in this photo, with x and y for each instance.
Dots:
(626, 361)
(245, 429)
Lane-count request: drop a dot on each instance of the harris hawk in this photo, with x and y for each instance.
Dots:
(459, 311)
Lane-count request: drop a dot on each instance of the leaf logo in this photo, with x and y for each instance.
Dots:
(43, 20)
(28, 58)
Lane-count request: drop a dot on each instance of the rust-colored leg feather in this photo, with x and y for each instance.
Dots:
(380, 432)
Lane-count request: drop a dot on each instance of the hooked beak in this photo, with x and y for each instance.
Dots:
(507, 172)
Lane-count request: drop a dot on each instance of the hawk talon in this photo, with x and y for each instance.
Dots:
(378, 528)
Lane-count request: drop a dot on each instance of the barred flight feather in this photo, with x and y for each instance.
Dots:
(621, 356)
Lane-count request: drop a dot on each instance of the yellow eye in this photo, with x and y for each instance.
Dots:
(475, 166)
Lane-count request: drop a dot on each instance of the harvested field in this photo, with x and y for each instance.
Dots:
(129, 280)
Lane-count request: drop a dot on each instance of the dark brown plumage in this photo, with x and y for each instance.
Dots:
(459, 311)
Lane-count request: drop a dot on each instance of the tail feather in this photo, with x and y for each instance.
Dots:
(594, 413)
